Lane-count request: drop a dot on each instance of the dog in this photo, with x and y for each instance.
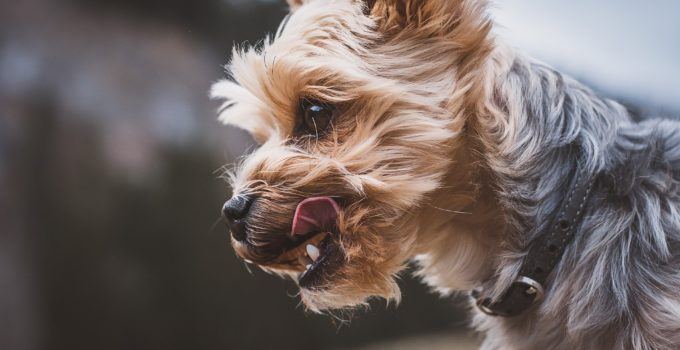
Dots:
(397, 132)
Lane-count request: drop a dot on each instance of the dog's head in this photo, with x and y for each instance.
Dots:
(357, 106)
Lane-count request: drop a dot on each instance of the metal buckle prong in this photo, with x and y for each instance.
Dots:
(523, 293)
(533, 287)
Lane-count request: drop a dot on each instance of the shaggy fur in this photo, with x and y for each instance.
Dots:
(453, 151)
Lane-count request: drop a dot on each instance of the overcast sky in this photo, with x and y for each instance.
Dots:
(630, 48)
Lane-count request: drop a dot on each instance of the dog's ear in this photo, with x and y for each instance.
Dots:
(295, 4)
(429, 17)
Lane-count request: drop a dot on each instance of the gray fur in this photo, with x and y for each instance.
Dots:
(618, 284)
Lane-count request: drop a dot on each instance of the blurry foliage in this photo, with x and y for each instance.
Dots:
(222, 22)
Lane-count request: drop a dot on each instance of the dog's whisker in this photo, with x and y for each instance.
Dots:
(218, 221)
(449, 210)
(247, 266)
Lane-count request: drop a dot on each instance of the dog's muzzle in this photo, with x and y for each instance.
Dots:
(304, 240)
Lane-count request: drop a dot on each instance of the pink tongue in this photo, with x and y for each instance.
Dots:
(314, 214)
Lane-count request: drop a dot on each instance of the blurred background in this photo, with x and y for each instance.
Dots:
(110, 156)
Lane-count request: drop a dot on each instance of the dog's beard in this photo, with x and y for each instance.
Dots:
(359, 255)
(373, 253)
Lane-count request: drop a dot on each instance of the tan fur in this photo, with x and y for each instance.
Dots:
(399, 153)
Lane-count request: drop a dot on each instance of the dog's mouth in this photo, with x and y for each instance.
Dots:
(313, 246)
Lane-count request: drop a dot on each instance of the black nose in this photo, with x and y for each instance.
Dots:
(235, 211)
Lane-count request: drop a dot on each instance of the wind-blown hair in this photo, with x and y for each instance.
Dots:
(453, 151)
(616, 286)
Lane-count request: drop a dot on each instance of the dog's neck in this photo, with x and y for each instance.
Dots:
(460, 225)
(511, 172)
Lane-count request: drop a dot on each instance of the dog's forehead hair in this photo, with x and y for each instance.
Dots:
(317, 54)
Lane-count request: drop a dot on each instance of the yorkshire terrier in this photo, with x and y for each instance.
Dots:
(403, 131)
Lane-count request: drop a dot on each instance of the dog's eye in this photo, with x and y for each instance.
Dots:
(316, 116)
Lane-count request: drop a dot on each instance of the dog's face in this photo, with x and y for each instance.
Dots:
(352, 111)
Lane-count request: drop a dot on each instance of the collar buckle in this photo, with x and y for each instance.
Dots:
(523, 292)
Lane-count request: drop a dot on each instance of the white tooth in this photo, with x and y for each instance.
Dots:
(309, 266)
(313, 252)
